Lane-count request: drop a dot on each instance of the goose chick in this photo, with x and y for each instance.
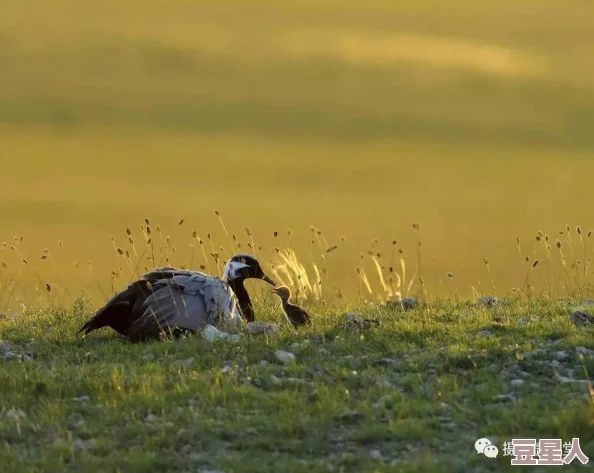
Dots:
(296, 315)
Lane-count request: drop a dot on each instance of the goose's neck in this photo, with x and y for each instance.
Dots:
(243, 298)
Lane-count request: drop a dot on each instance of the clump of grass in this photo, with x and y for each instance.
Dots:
(488, 266)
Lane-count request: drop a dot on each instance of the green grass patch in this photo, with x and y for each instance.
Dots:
(411, 395)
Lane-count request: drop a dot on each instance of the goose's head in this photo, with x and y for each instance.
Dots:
(244, 266)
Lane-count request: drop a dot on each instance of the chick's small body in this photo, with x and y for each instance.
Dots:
(296, 315)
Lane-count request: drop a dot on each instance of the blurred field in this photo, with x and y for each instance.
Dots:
(473, 119)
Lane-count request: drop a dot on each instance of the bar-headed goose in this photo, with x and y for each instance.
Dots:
(174, 299)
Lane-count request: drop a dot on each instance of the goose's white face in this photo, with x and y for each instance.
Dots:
(244, 266)
(232, 269)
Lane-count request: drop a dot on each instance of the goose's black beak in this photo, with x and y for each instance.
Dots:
(268, 280)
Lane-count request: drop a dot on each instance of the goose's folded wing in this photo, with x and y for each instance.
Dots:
(185, 300)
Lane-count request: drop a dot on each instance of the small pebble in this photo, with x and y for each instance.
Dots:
(385, 362)
(285, 357)
(186, 362)
(560, 355)
(376, 454)
(15, 414)
(261, 328)
(505, 397)
(84, 445)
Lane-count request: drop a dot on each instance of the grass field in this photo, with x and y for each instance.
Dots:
(411, 396)
(473, 120)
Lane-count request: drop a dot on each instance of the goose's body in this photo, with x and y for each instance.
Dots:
(174, 299)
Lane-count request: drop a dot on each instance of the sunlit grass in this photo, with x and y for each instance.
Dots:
(383, 272)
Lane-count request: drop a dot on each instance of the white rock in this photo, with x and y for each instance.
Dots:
(294, 381)
(9, 355)
(517, 382)
(226, 369)
(505, 397)
(560, 355)
(83, 445)
(261, 328)
(186, 362)
(566, 380)
(15, 414)
(285, 357)
(212, 333)
(151, 418)
(264, 363)
(376, 454)
(81, 399)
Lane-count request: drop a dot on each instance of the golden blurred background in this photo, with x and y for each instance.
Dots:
(473, 119)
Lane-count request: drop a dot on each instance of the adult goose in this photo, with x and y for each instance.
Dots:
(169, 299)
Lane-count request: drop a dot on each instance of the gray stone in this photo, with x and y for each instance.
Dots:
(261, 328)
(285, 357)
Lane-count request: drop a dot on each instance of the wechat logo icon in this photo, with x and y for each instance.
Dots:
(485, 447)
